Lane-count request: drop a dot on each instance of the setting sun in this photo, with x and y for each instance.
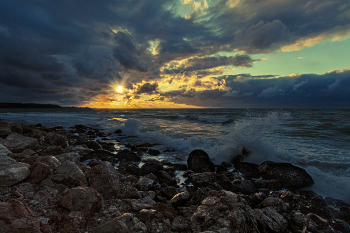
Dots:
(119, 89)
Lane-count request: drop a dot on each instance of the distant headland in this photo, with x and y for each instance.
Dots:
(28, 105)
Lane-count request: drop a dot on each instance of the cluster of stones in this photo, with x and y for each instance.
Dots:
(45, 187)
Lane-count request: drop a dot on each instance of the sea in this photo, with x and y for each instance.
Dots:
(317, 140)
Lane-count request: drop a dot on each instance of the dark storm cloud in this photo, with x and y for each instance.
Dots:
(128, 54)
(147, 88)
(331, 89)
(68, 51)
(194, 64)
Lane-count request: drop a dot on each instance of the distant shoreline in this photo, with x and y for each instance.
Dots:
(28, 105)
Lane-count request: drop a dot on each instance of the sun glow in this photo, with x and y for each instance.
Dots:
(119, 89)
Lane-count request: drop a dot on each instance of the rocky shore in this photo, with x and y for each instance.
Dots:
(64, 180)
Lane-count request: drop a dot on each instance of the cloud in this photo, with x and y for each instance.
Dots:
(204, 63)
(147, 88)
(51, 49)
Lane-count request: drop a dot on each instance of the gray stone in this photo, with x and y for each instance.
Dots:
(4, 150)
(275, 202)
(147, 215)
(180, 199)
(145, 184)
(5, 128)
(71, 156)
(270, 219)
(104, 178)
(16, 143)
(122, 224)
(12, 172)
(144, 203)
(69, 174)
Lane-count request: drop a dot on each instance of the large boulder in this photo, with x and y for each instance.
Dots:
(128, 156)
(4, 150)
(16, 217)
(71, 156)
(122, 224)
(69, 222)
(104, 178)
(16, 128)
(238, 215)
(12, 172)
(84, 199)
(287, 174)
(17, 143)
(199, 161)
(180, 199)
(56, 139)
(39, 172)
(270, 219)
(248, 170)
(212, 180)
(5, 129)
(68, 174)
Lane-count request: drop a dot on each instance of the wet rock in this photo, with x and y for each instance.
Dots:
(256, 198)
(93, 145)
(178, 224)
(16, 217)
(143, 203)
(151, 166)
(82, 150)
(99, 154)
(71, 156)
(145, 184)
(237, 215)
(56, 139)
(107, 145)
(122, 224)
(72, 222)
(212, 180)
(199, 161)
(248, 170)
(147, 215)
(168, 192)
(39, 172)
(270, 219)
(153, 152)
(275, 202)
(5, 129)
(165, 178)
(4, 150)
(49, 160)
(84, 199)
(244, 186)
(16, 128)
(11, 171)
(68, 174)
(167, 210)
(51, 150)
(80, 128)
(104, 179)
(199, 195)
(180, 199)
(129, 169)
(128, 156)
(298, 220)
(339, 209)
(269, 184)
(118, 131)
(17, 143)
(288, 175)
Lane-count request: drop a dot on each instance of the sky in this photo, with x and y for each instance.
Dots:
(176, 53)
